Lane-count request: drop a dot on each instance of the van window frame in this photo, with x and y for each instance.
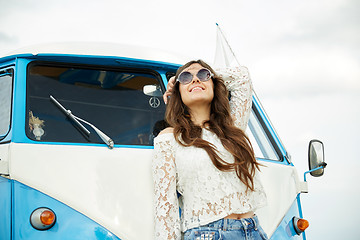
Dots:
(3, 70)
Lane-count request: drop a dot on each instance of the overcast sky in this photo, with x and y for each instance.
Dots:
(303, 56)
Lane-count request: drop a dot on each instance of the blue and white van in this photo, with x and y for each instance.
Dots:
(77, 123)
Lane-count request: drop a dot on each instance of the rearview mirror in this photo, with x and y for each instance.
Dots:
(316, 157)
(152, 90)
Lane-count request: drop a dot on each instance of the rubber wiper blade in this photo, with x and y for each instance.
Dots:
(107, 140)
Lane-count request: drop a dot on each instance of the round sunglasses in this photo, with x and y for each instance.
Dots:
(203, 75)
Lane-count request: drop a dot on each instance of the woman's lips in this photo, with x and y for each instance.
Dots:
(197, 88)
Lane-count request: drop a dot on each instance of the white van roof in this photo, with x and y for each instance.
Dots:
(101, 49)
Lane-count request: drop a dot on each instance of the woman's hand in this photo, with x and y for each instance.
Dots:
(169, 89)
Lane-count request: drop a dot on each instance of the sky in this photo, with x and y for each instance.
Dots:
(303, 57)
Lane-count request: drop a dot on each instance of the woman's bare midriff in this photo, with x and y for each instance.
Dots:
(239, 216)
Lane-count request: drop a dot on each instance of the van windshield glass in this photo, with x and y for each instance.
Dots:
(112, 100)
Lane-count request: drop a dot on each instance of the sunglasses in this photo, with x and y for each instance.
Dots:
(203, 75)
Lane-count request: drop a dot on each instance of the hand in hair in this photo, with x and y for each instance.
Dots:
(169, 88)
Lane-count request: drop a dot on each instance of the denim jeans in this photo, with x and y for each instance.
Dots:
(228, 229)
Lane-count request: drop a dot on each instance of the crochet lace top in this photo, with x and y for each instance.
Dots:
(185, 177)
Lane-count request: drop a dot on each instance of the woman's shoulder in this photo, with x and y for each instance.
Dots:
(166, 130)
(165, 135)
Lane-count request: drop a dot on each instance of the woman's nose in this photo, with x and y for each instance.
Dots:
(195, 79)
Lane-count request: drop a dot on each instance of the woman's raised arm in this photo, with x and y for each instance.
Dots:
(238, 82)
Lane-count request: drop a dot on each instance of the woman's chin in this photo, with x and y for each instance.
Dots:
(198, 101)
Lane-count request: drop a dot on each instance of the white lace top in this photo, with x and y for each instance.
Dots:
(206, 193)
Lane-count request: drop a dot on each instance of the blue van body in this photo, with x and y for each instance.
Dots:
(24, 188)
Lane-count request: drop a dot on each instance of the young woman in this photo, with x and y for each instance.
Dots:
(204, 163)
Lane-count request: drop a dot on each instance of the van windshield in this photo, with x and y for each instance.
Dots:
(112, 100)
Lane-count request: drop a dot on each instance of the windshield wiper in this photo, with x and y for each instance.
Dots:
(107, 140)
(70, 116)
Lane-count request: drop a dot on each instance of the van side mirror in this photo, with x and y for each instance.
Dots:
(316, 158)
(152, 90)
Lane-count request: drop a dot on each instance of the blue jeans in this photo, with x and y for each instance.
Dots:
(228, 229)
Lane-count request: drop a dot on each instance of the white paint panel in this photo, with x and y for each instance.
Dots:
(114, 187)
(4, 158)
(281, 186)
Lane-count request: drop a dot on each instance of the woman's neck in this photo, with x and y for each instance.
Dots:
(200, 114)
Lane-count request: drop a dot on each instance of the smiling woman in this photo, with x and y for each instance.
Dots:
(206, 157)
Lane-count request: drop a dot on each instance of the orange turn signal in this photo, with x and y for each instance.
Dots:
(47, 217)
(42, 218)
(300, 225)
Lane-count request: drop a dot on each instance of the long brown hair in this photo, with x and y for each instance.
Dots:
(221, 123)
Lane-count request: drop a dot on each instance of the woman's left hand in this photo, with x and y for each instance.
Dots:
(169, 89)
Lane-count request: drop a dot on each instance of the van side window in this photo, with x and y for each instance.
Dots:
(125, 104)
(6, 82)
(259, 138)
